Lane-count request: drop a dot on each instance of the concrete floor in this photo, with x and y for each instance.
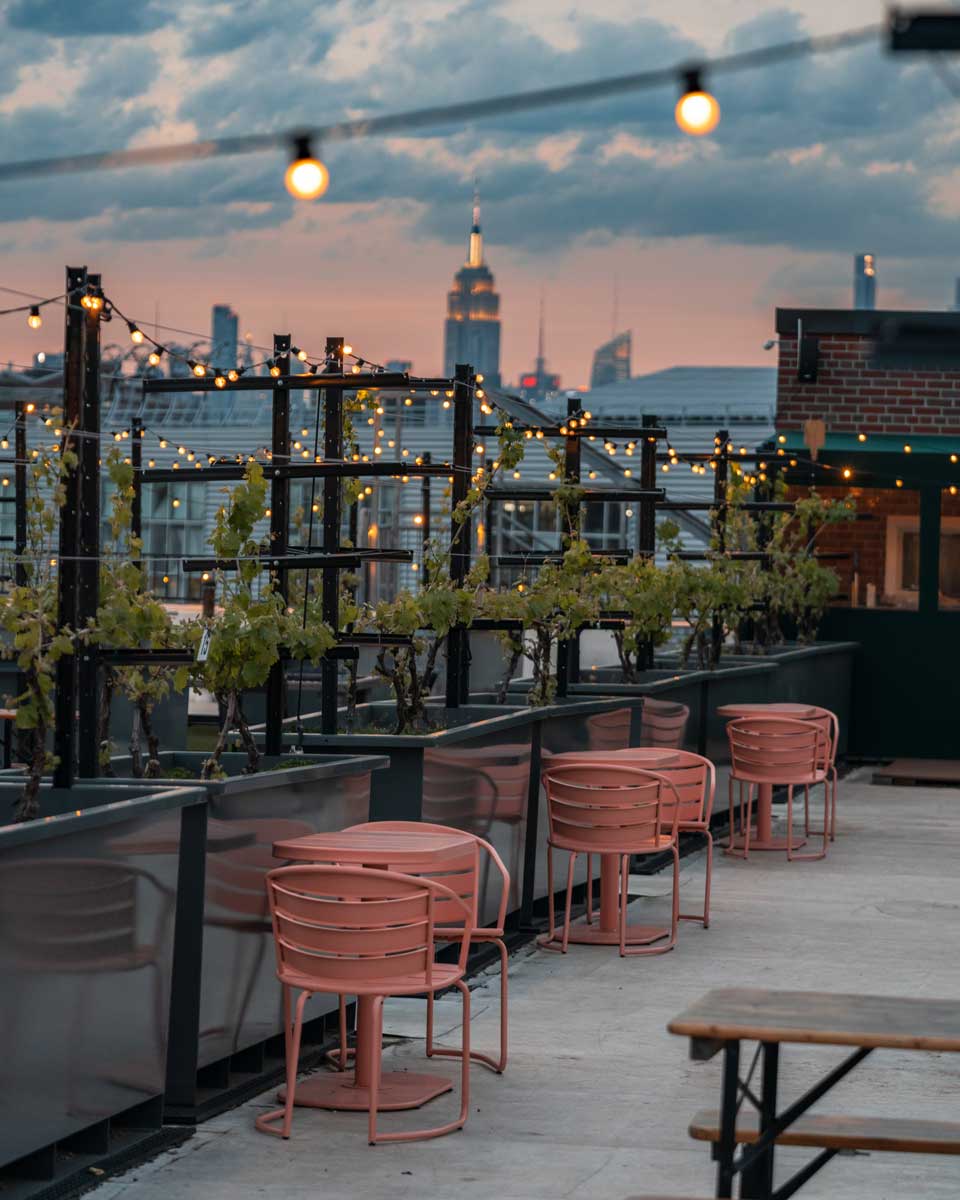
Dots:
(597, 1097)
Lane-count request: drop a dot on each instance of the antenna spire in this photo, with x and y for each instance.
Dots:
(475, 251)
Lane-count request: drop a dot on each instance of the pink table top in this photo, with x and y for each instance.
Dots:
(366, 846)
(803, 712)
(648, 756)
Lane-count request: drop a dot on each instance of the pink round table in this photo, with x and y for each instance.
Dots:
(414, 853)
(607, 932)
(764, 839)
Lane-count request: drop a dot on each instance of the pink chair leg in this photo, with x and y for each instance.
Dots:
(549, 940)
(376, 1070)
(639, 951)
(833, 804)
(589, 889)
(266, 1122)
(418, 1135)
(704, 917)
(495, 1064)
(566, 914)
(791, 856)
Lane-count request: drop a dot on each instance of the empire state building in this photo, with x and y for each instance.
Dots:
(472, 327)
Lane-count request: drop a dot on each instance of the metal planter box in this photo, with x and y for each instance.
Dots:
(226, 1003)
(88, 897)
(482, 775)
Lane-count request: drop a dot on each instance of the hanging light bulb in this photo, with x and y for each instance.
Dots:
(197, 368)
(233, 375)
(136, 335)
(306, 177)
(153, 358)
(697, 112)
(274, 370)
(34, 320)
(220, 381)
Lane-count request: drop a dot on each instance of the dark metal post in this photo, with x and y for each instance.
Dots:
(20, 491)
(756, 1181)
(720, 478)
(929, 571)
(458, 683)
(568, 652)
(73, 380)
(330, 599)
(727, 1146)
(647, 513)
(136, 458)
(88, 569)
(279, 531)
(425, 511)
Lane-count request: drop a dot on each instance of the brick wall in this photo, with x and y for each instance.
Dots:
(851, 397)
(866, 540)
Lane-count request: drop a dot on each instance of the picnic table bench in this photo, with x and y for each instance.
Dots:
(724, 1018)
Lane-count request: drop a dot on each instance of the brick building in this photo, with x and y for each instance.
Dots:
(887, 387)
(893, 428)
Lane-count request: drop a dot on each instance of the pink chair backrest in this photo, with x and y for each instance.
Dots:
(695, 779)
(462, 879)
(460, 873)
(602, 807)
(831, 726)
(609, 730)
(776, 749)
(235, 877)
(351, 929)
(663, 723)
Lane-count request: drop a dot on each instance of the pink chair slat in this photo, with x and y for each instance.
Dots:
(331, 911)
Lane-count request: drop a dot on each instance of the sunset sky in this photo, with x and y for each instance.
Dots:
(812, 162)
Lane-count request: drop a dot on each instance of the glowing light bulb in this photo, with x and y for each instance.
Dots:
(697, 112)
(153, 358)
(198, 369)
(176, 504)
(908, 449)
(347, 349)
(847, 473)
(220, 381)
(274, 370)
(34, 320)
(306, 177)
(136, 335)
(418, 519)
(861, 437)
(233, 375)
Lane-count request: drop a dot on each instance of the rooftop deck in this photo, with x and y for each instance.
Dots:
(597, 1097)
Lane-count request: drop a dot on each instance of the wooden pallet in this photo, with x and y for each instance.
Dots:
(920, 772)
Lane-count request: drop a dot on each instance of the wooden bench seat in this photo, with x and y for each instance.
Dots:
(893, 1134)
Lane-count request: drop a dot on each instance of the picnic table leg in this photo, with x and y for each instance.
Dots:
(727, 1146)
(756, 1181)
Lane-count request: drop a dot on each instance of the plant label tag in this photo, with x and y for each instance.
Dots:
(204, 648)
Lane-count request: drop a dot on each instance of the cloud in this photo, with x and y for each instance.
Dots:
(87, 18)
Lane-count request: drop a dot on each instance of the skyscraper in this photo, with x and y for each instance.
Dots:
(611, 361)
(472, 328)
(865, 281)
(223, 340)
(537, 384)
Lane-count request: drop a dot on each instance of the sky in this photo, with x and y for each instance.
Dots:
(699, 239)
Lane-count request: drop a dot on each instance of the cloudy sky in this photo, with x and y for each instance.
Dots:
(812, 162)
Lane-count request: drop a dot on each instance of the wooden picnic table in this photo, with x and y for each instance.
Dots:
(412, 852)
(724, 1018)
(607, 931)
(764, 839)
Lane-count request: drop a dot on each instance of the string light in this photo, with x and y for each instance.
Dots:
(136, 335)
(908, 449)
(197, 368)
(697, 111)
(153, 358)
(34, 320)
(306, 177)
(861, 437)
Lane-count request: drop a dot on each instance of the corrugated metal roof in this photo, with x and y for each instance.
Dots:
(716, 394)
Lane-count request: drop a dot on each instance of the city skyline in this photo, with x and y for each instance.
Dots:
(706, 237)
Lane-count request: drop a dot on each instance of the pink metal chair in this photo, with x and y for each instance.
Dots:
(694, 780)
(609, 810)
(771, 751)
(831, 727)
(454, 929)
(370, 934)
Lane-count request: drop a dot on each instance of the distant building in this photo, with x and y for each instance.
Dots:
(538, 384)
(865, 281)
(223, 340)
(611, 361)
(399, 366)
(956, 295)
(472, 328)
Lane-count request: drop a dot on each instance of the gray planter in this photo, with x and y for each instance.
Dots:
(87, 915)
(226, 1002)
(482, 775)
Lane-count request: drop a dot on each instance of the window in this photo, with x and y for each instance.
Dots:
(902, 575)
